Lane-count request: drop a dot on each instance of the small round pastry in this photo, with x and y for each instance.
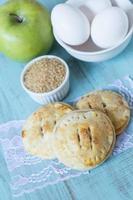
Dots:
(84, 139)
(37, 132)
(109, 102)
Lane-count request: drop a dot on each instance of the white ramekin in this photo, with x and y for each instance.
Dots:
(52, 96)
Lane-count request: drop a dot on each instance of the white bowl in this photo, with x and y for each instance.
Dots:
(89, 51)
(52, 96)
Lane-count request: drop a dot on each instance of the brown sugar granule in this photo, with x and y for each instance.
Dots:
(45, 75)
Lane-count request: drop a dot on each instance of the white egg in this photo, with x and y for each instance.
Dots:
(70, 24)
(96, 6)
(109, 27)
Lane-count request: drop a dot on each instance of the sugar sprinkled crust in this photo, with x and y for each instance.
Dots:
(84, 139)
(109, 102)
(37, 132)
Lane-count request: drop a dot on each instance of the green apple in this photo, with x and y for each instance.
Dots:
(25, 29)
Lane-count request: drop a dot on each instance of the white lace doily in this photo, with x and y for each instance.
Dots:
(29, 173)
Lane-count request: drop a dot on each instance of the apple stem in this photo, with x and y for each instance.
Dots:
(17, 18)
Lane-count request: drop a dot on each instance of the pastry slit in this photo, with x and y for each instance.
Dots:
(41, 132)
(78, 136)
(89, 106)
(104, 105)
(90, 136)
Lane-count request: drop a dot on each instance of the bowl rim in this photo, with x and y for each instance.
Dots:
(69, 48)
(52, 91)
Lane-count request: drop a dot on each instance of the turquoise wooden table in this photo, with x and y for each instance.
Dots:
(112, 181)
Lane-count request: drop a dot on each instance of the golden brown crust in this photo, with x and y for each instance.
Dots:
(84, 139)
(109, 102)
(37, 132)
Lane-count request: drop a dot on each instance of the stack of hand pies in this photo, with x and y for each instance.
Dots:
(81, 136)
